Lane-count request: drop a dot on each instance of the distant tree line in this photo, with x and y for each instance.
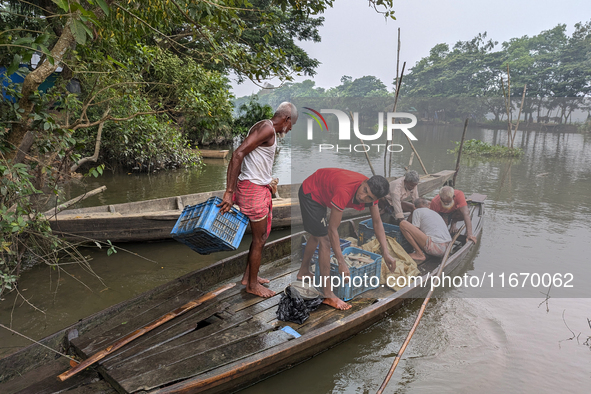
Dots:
(556, 68)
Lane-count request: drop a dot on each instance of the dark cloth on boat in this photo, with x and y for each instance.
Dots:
(293, 308)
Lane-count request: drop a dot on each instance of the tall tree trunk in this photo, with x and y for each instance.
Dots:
(16, 136)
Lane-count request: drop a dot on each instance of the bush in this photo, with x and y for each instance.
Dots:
(481, 148)
(250, 113)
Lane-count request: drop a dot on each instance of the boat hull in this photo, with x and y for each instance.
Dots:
(153, 220)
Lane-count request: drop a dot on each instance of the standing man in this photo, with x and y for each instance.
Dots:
(452, 206)
(427, 233)
(400, 190)
(337, 189)
(248, 185)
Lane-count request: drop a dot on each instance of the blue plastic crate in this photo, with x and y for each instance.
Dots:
(203, 229)
(366, 232)
(353, 288)
(344, 244)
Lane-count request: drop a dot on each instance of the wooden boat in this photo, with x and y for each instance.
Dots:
(213, 154)
(152, 220)
(221, 346)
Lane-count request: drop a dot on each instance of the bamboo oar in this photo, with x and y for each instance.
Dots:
(416, 324)
(137, 333)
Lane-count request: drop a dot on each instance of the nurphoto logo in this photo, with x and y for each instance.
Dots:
(344, 129)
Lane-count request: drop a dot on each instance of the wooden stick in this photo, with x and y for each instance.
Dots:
(398, 84)
(73, 201)
(137, 333)
(518, 116)
(416, 153)
(453, 182)
(363, 143)
(416, 324)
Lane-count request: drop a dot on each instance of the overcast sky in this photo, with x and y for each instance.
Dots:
(357, 41)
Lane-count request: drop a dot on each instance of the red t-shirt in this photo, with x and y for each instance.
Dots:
(459, 202)
(335, 187)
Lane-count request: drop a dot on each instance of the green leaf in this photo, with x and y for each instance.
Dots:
(63, 4)
(103, 6)
(78, 31)
(14, 65)
(23, 40)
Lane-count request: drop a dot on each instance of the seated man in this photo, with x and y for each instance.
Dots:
(427, 233)
(392, 205)
(337, 189)
(451, 205)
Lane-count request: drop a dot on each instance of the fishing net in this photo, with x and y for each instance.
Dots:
(293, 308)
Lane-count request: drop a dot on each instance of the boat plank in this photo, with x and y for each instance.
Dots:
(158, 341)
(169, 331)
(201, 363)
(177, 352)
(42, 380)
(139, 315)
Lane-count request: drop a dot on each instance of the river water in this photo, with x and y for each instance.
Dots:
(491, 340)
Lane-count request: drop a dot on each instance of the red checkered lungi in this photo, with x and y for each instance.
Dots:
(255, 202)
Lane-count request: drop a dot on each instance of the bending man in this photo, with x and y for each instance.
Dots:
(452, 206)
(248, 185)
(337, 189)
(427, 233)
(400, 189)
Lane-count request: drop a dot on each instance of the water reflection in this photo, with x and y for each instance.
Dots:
(538, 215)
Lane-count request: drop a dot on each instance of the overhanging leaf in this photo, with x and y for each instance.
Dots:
(103, 6)
(78, 31)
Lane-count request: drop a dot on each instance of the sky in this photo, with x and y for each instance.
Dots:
(357, 41)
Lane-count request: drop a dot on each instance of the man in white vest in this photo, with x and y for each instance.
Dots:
(248, 185)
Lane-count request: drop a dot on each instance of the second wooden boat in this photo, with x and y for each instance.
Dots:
(152, 220)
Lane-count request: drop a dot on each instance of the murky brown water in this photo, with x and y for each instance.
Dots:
(538, 216)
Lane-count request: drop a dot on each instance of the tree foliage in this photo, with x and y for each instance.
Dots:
(551, 64)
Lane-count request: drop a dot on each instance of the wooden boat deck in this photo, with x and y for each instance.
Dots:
(224, 343)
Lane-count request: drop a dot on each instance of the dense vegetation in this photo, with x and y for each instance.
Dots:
(126, 84)
(556, 68)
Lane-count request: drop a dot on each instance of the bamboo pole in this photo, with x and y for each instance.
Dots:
(397, 89)
(416, 153)
(139, 332)
(69, 203)
(418, 319)
(453, 182)
(364, 151)
(518, 117)
(393, 120)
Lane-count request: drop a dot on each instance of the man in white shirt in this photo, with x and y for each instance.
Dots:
(394, 206)
(428, 232)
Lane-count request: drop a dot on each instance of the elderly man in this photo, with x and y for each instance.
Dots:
(337, 189)
(451, 205)
(248, 185)
(427, 233)
(393, 204)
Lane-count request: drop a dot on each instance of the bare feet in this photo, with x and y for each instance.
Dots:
(261, 280)
(417, 256)
(259, 290)
(336, 303)
(303, 272)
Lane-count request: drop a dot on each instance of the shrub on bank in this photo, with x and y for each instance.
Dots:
(481, 148)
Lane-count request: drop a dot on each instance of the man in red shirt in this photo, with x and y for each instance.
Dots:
(337, 189)
(452, 206)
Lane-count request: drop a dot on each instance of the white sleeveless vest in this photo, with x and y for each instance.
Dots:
(257, 165)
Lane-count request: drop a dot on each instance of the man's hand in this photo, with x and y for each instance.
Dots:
(226, 203)
(472, 238)
(389, 260)
(453, 229)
